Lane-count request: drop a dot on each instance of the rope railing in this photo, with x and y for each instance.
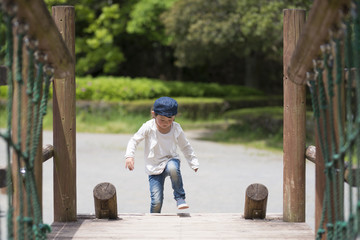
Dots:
(42, 27)
(35, 52)
(326, 50)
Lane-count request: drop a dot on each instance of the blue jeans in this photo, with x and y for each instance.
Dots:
(156, 182)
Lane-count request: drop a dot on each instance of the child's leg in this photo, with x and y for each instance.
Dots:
(157, 192)
(173, 170)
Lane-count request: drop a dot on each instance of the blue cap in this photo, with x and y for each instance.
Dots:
(166, 106)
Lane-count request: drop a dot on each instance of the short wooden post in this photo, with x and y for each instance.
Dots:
(255, 201)
(294, 125)
(64, 124)
(105, 201)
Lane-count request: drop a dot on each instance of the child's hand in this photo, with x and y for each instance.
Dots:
(129, 163)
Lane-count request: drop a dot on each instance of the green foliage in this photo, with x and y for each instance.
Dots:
(124, 88)
(209, 31)
(189, 108)
(98, 49)
(3, 115)
(145, 19)
(3, 92)
(261, 127)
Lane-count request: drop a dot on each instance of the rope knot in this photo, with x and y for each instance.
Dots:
(320, 232)
(44, 228)
(28, 220)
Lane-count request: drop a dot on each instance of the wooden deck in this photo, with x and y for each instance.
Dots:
(181, 226)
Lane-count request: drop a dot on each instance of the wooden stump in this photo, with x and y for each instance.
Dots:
(105, 201)
(255, 201)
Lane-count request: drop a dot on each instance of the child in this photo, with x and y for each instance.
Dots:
(162, 136)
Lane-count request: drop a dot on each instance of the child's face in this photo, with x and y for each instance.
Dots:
(163, 122)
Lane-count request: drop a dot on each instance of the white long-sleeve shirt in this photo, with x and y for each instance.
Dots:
(160, 148)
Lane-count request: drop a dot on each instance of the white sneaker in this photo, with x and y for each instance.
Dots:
(181, 204)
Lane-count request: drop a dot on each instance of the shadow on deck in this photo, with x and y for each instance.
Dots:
(181, 226)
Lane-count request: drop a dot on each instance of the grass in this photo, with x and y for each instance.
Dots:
(253, 127)
(256, 127)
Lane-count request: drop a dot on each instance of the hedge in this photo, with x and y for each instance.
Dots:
(127, 89)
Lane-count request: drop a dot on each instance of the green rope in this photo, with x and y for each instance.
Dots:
(29, 224)
(19, 80)
(9, 62)
(339, 130)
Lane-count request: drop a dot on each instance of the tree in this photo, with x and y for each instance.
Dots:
(145, 19)
(99, 50)
(110, 32)
(208, 32)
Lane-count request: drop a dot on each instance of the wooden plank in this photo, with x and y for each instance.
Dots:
(64, 125)
(322, 17)
(43, 28)
(294, 134)
(172, 226)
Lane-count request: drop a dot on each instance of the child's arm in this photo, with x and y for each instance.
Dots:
(188, 152)
(131, 147)
(129, 163)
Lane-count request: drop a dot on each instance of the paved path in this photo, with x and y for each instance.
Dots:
(218, 187)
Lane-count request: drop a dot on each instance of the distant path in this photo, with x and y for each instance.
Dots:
(226, 170)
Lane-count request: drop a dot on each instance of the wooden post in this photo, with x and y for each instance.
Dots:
(19, 132)
(322, 16)
(255, 201)
(64, 129)
(105, 201)
(294, 125)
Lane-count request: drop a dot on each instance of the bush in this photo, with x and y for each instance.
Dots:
(189, 108)
(127, 89)
(3, 92)
(262, 124)
(116, 89)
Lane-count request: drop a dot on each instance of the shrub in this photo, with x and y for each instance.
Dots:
(116, 89)
(3, 91)
(127, 89)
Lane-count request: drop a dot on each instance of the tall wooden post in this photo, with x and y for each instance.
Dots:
(294, 125)
(64, 130)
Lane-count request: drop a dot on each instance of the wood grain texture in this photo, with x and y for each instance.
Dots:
(64, 124)
(43, 28)
(323, 16)
(105, 201)
(255, 201)
(294, 133)
(181, 226)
